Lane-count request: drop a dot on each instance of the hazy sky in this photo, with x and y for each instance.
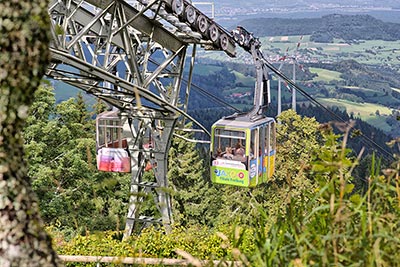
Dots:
(238, 3)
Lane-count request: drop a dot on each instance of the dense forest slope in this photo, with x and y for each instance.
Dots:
(326, 28)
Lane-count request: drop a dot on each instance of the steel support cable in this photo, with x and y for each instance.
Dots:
(309, 97)
(212, 97)
(201, 90)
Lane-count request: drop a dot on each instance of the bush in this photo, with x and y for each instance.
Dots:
(336, 226)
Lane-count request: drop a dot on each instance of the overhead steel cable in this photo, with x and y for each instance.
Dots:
(201, 90)
(309, 97)
(212, 97)
(304, 93)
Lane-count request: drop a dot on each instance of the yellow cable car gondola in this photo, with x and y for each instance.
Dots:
(243, 153)
(243, 146)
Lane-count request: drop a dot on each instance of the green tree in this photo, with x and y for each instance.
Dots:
(24, 56)
(192, 192)
(336, 227)
(60, 145)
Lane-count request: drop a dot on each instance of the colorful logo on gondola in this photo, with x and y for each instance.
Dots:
(253, 170)
(228, 173)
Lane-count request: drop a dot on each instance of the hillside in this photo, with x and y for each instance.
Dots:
(346, 27)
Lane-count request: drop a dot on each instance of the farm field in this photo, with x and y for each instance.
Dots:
(366, 111)
(205, 70)
(368, 52)
(245, 80)
(372, 52)
(372, 55)
(325, 75)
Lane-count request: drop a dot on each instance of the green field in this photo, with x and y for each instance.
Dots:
(370, 52)
(205, 70)
(365, 111)
(245, 80)
(325, 75)
(284, 43)
(237, 90)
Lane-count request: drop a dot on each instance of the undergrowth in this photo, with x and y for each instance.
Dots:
(333, 225)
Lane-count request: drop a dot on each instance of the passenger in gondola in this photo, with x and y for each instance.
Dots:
(239, 150)
(219, 153)
(228, 153)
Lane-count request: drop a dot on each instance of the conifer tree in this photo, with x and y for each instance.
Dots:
(191, 189)
(60, 145)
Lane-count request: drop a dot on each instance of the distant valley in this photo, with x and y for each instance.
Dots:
(347, 28)
(347, 61)
(231, 13)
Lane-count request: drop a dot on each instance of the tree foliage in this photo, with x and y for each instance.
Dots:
(336, 226)
(279, 219)
(307, 214)
(60, 145)
(194, 198)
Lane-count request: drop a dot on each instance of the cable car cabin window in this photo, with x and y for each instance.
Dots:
(254, 144)
(109, 134)
(261, 138)
(270, 150)
(273, 138)
(112, 146)
(272, 153)
(229, 144)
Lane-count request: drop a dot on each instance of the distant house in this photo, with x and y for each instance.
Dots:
(240, 95)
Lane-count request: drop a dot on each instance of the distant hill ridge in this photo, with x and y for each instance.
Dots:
(347, 27)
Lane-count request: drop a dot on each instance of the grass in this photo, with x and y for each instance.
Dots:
(285, 42)
(379, 122)
(368, 92)
(238, 90)
(204, 70)
(370, 52)
(245, 80)
(365, 111)
(325, 75)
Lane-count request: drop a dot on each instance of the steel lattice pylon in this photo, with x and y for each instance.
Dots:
(132, 55)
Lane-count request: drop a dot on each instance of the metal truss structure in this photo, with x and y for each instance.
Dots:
(136, 56)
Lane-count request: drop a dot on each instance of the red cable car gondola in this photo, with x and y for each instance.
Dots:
(112, 146)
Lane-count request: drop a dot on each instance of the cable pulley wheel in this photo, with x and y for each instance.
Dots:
(214, 33)
(224, 41)
(191, 15)
(178, 7)
(202, 24)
